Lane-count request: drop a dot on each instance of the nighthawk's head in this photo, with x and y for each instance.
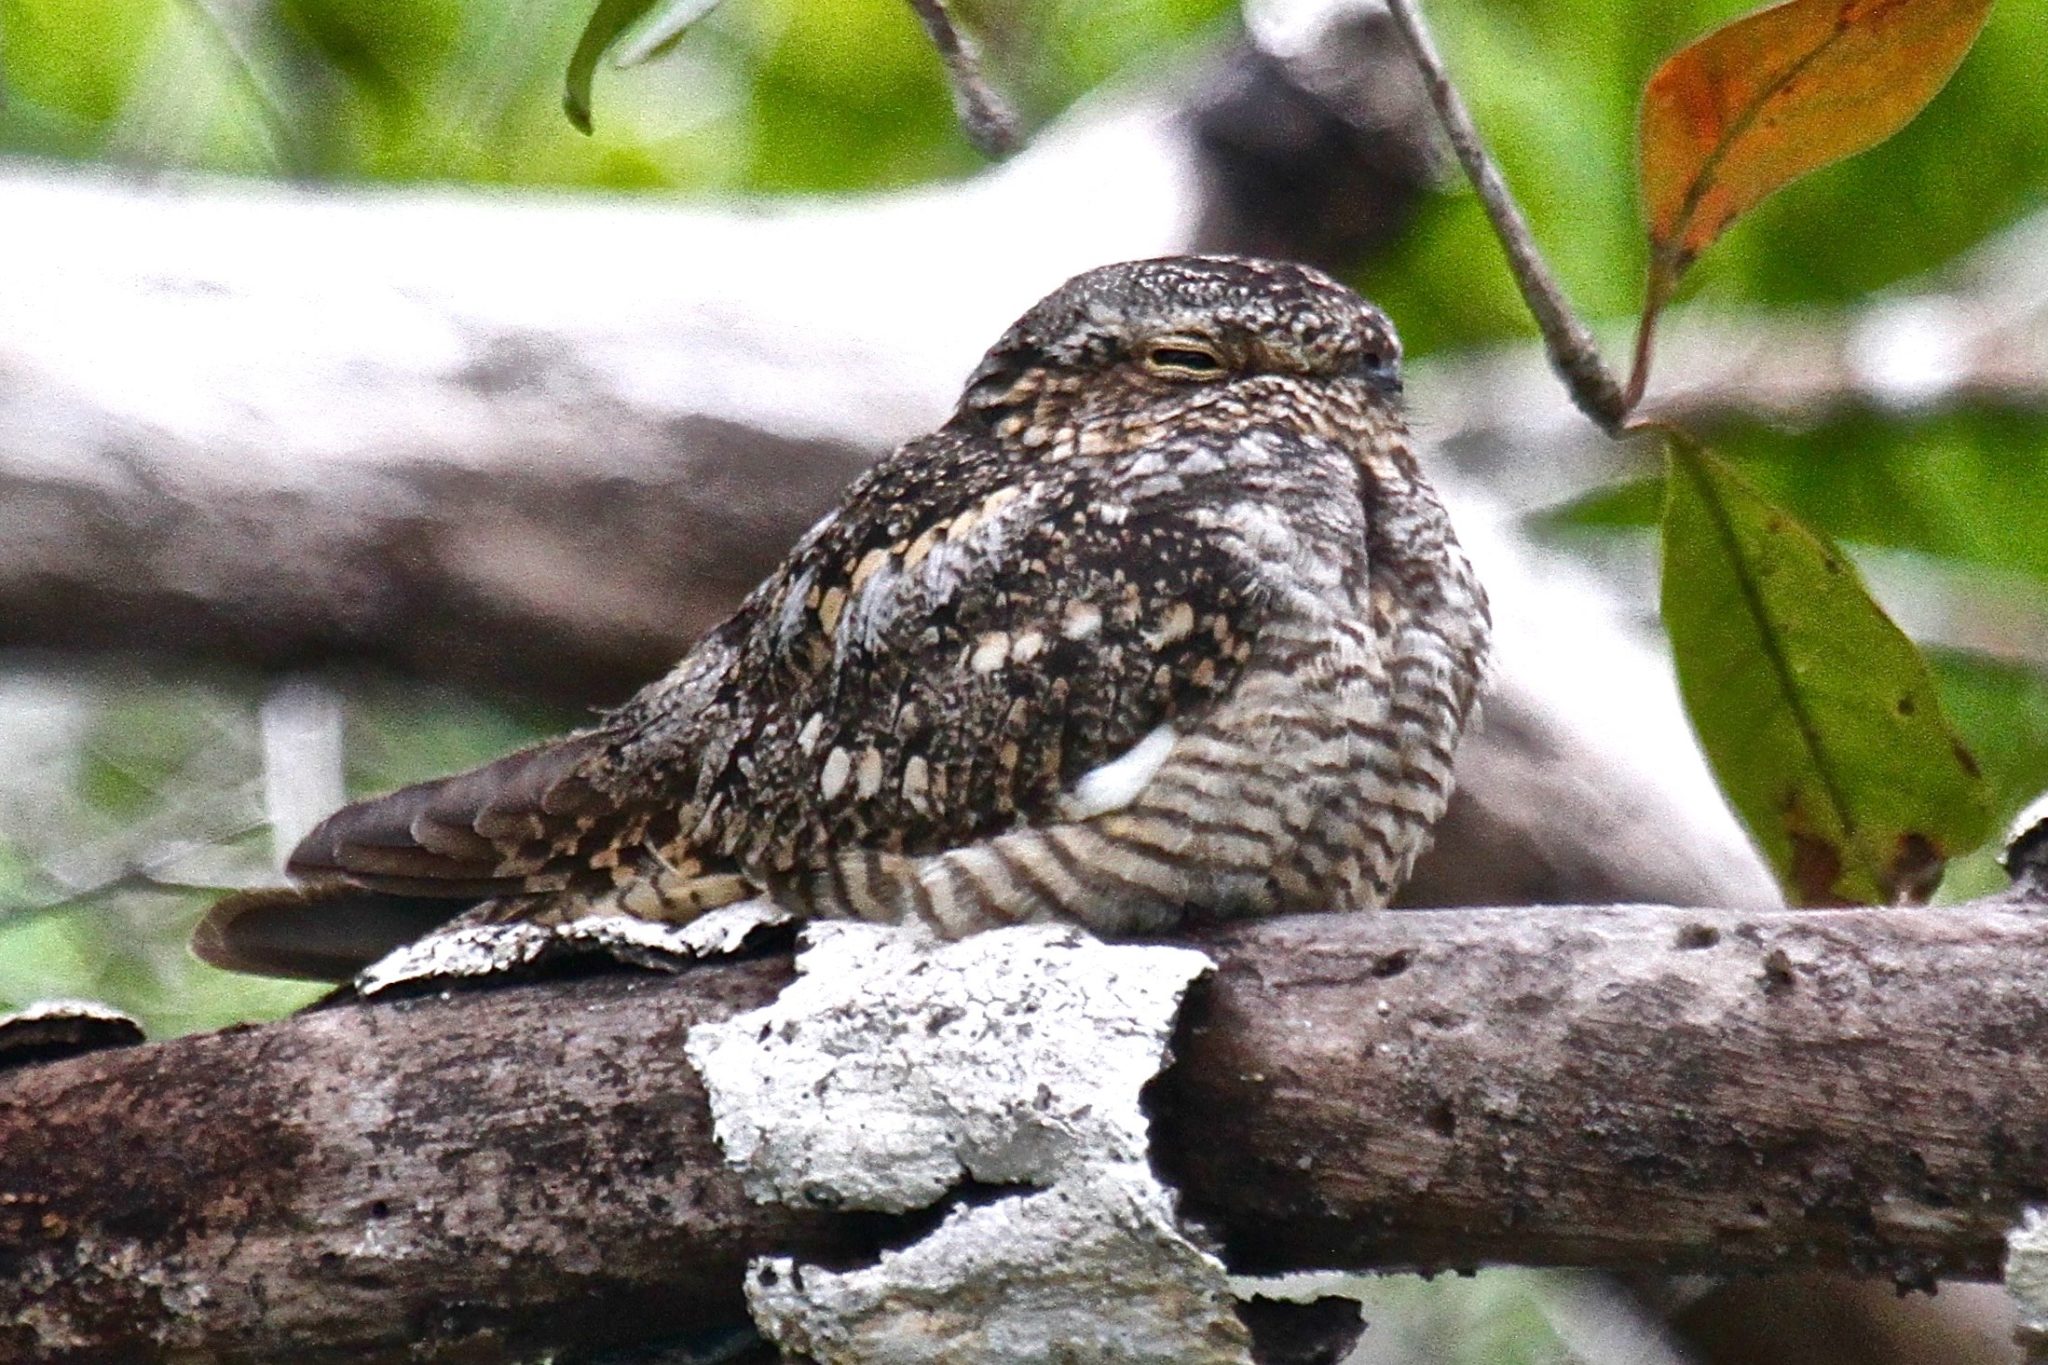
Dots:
(1182, 336)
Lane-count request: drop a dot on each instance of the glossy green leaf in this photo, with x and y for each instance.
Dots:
(1819, 716)
(611, 19)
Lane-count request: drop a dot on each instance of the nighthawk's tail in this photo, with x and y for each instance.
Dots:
(328, 931)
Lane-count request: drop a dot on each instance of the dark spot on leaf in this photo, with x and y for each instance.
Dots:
(1906, 706)
(1816, 867)
(1831, 564)
(1965, 759)
(1692, 936)
(1915, 868)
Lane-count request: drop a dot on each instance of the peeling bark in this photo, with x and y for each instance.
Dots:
(531, 1167)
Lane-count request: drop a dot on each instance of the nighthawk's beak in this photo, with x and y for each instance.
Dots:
(1382, 372)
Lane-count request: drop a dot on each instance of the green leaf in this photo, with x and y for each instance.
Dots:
(1820, 718)
(2001, 708)
(613, 17)
(1967, 485)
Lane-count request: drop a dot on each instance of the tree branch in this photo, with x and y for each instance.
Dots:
(532, 1168)
(984, 115)
(1573, 352)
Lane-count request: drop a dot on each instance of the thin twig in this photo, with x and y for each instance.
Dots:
(1573, 353)
(985, 116)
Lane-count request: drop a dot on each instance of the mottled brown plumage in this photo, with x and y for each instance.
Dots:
(1163, 623)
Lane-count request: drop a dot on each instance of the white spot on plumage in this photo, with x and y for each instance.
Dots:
(832, 780)
(1080, 620)
(869, 780)
(989, 652)
(1175, 626)
(1025, 647)
(1114, 785)
(807, 738)
(916, 780)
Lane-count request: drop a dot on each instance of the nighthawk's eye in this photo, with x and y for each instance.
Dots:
(1184, 360)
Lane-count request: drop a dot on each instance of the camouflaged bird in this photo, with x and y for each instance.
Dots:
(1163, 625)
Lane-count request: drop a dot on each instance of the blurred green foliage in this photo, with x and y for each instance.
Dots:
(789, 95)
(146, 801)
(779, 96)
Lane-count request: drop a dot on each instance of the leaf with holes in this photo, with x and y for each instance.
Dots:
(1755, 105)
(1819, 716)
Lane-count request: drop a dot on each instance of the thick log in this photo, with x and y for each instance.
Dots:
(532, 1167)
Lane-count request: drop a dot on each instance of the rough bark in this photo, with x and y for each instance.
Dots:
(532, 1167)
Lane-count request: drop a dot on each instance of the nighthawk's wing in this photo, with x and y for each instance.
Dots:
(383, 871)
(952, 654)
(500, 828)
(949, 656)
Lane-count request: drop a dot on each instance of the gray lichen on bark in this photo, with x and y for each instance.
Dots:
(480, 951)
(2026, 1279)
(1095, 1268)
(44, 1030)
(896, 1072)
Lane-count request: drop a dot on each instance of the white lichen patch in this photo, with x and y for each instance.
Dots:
(471, 951)
(2026, 1279)
(1093, 1269)
(894, 1069)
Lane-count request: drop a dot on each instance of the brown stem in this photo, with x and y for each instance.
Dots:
(1573, 352)
(985, 116)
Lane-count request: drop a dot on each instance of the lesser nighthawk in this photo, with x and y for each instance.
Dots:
(1163, 624)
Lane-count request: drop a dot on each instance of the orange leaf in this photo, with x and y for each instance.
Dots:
(1755, 105)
